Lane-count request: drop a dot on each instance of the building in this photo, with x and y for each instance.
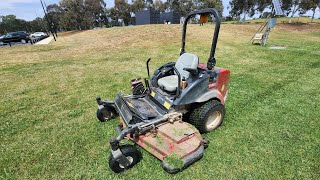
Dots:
(172, 17)
(149, 16)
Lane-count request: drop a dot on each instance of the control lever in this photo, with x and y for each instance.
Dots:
(148, 67)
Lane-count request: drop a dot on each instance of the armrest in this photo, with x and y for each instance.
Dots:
(191, 70)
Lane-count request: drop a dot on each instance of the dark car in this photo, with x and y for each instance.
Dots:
(11, 37)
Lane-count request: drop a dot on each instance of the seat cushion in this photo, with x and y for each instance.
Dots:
(169, 83)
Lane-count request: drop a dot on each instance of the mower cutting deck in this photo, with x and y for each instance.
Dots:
(166, 115)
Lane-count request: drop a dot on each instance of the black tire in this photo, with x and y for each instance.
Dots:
(106, 113)
(205, 142)
(133, 155)
(208, 117)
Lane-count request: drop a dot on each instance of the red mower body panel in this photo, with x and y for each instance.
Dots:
(221, 84)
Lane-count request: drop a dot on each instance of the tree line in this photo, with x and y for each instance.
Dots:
(11, 23)
(291, 8)
(87, 14)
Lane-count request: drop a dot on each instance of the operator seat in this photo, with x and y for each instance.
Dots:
(186, 60)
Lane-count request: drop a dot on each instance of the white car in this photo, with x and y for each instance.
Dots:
(1, 43)
(38, 34)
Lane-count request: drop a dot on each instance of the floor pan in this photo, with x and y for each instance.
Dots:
(145, 107)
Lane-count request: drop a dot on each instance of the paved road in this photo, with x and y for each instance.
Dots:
(15, 44)
(43, 41)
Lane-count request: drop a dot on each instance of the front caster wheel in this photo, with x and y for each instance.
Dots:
(131, 153)
(105, 114)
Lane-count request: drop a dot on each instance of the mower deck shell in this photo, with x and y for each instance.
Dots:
(178, 138)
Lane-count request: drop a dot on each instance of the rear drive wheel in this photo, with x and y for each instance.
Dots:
(131, 153)
(208, 117)
(23, 41)
(105, 114)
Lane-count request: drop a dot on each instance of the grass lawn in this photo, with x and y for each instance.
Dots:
(48, 127)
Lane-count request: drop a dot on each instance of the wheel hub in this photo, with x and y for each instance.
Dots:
(106, 114)
(214, 120)
(130, 159)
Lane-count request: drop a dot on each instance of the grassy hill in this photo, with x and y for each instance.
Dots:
(293, 20)
(281, 20)
(47, 102)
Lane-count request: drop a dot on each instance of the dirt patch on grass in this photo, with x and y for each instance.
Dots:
(68, 33)
(301, 27)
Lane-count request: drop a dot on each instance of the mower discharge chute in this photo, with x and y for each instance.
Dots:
(166, 115)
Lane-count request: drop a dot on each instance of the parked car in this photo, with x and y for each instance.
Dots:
(38, 34)
(1, 37)
(20, 36)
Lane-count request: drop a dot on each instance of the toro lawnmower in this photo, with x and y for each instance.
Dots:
(166, 114)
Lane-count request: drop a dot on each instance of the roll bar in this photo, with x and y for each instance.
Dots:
(211, 61)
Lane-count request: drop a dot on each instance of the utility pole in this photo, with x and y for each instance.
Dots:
(47, 18)
(50, 18)
(41, 24)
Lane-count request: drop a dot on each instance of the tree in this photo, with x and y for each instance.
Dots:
(137, 5)
(96, 8)
(217, 4)
(121, 10)
(55, 13)
(74, 17)
(82, 14)
(219, 7)
(149, 3)
(307, 5)
(11, 23)
(175, 6)
(180, 6)
(242, 7)
(38, 25)
(186, 6)
(159, 5)
(261, 5)
(290, 6)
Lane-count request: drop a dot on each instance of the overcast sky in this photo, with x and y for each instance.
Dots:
(30, 9)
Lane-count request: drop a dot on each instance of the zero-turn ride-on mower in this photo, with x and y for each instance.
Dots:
(167, 114)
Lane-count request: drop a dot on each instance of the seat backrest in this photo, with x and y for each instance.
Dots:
(186, 60)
